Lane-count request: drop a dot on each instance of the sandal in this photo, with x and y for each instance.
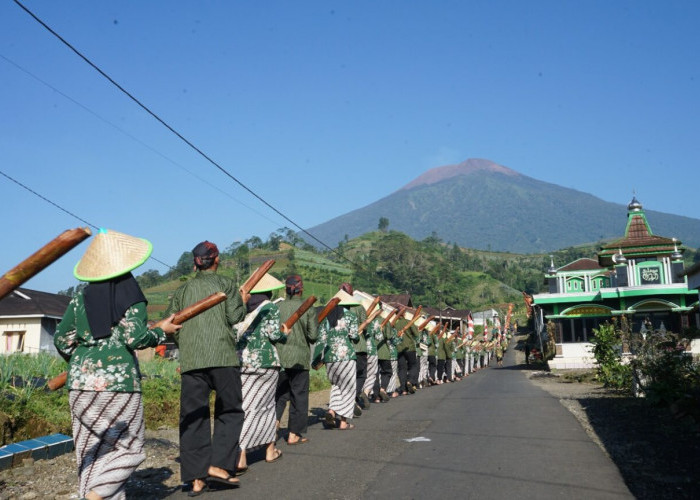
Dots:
(278, 455)
(348, 427)
(300, 440)
(329, 421)
(228, 481)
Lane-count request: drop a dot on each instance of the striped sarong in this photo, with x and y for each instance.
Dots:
(372, 372)
(259, 388)
(108, 433)
(394, 380)
(423, 372)
(342, 375)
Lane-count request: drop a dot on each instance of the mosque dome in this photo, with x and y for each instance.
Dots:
(634, 205)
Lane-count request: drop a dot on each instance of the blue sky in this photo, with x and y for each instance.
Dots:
(322, 107)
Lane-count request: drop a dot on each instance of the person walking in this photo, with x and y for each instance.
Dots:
(295, 354)
(103, 326)
(208, 362)
(257, 336)
(334, 348)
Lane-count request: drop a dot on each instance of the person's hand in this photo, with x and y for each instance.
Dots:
(244, 296)
(168, 326)
(285, 329)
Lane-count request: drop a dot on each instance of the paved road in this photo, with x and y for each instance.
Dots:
(492, 435)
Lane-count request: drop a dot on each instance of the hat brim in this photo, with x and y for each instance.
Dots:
(112, 254)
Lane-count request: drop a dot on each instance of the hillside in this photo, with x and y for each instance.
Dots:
(480, 204)
(434, 273)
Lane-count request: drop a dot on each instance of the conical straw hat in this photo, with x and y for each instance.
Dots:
(386, 310)
(266, 284)
(364, 298)
(346, 299)
(111, 254)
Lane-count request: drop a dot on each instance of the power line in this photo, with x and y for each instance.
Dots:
(136, 139)
(66, 211)
(180, 136)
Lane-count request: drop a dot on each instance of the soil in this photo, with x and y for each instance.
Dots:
(656, 452)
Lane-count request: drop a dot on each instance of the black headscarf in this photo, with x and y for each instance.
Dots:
(335, 314)
(107, 301)
(256, 299)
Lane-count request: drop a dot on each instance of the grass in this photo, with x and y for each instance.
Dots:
(29, 410)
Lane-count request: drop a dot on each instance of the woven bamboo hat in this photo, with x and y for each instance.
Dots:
(364, 298)
(346, 299)
(267, 283)
(386, 310)
(111, 254)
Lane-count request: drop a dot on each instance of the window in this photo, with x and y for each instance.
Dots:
(650, 273)
(14, 341)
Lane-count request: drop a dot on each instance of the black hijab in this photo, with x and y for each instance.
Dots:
(335, 314)
(256, 299)
(107, 301)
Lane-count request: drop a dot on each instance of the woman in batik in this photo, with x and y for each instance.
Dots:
(260, 368)
(334, 348)
(101, 329)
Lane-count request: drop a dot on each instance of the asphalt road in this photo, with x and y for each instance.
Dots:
(492, 435)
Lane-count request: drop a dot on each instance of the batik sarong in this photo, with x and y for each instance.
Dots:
(108, 434)
(394, 380)
(423, 372)
(372, 372)
(342, 376)
(259, 388)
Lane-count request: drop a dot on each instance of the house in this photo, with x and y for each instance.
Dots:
(639, 276)
(28, 321)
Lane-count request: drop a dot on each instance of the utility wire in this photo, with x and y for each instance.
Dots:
(180, 136)
(136, 139)
(67, 211)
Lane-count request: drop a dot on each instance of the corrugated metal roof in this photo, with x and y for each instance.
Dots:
(37, 303)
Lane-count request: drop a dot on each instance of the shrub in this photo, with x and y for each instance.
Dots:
(607, 350)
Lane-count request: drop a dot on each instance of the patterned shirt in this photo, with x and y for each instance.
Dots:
(374, 336)
(207, 340)
(335, 344)
(107, 364)
(254, 346)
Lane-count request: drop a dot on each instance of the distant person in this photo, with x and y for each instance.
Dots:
(527, 352)
(334, 348)
(208, 362)
(360, 346)
(295, 355)
(102, 327)
(257, 336)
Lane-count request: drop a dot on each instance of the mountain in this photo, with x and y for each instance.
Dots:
(480, 204)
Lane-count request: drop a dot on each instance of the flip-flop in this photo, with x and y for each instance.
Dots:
(241, 470)
(277, 457)
(193, 493)
(329, 421)
(228, 481)
(301, 440)
(349, 427)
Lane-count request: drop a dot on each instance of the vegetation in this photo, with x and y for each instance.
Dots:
(28, 409)
(658, 366)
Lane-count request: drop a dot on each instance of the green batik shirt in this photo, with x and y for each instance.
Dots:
(409, 337)
(383, 346)
(360, 345)
(296, 351)
(394, 342)
(374, 336)
(432, 345)
(107, 364)
(335, 344)
(424, 338)
(208, 339)
(256, 336)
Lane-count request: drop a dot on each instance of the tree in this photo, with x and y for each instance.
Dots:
(383, 225)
